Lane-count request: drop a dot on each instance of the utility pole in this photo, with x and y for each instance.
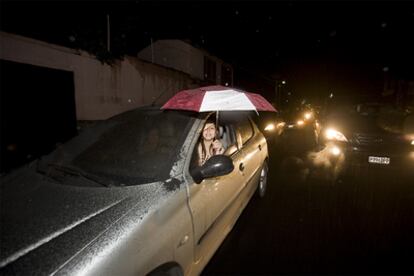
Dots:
(279, 92)
(152, 50)
(276, 93)
(108, 34)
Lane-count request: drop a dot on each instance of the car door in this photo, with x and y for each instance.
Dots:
(254, 148)
(211, 204)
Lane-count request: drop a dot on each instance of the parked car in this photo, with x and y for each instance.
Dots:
(362, 138)
(123, 197)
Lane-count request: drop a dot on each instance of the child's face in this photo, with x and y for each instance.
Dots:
(209, 132)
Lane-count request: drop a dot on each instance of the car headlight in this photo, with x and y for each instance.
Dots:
(281, 125)
(409, 138)
(300, 122)
(269, 127)
(335, 151)
(308, 115)
(333, 134)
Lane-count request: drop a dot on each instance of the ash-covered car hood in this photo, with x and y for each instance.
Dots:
(44, 224)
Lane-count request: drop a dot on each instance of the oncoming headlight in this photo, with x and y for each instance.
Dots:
(336, 151)
(333, 134)
(269, 127)
(410, 138)
(281, 124)
(308, 115)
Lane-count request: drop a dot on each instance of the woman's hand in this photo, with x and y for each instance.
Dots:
(217, 147)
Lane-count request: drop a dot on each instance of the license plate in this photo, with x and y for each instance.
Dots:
(379, 160)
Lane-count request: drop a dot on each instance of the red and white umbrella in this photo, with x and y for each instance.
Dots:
(217, 98)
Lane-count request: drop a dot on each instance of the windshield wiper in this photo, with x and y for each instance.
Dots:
(78, 172)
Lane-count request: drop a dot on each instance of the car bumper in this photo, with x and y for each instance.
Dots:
(356, 161)
(400, 163)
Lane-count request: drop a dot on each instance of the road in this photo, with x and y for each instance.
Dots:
(362, 225)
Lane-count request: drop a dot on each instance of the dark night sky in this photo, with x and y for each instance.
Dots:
(319, 47)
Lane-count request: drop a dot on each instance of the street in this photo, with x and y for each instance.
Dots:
(134, 132)
(361, 225)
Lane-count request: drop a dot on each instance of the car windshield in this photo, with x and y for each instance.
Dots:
(367, 119)
(140, 146)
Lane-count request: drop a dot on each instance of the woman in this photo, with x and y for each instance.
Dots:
(208, 145)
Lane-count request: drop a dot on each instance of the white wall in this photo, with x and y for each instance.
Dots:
(174, 54)
(101, 91)
(181, 56)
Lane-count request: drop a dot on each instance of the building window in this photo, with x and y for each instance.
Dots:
(209, 70)
(226, 75)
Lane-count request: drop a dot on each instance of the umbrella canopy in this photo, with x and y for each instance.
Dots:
(217, 98)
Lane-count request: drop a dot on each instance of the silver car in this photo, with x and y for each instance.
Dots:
(126, 198)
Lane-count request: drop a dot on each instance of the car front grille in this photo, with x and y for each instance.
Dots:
(379, 142)
(367, 139)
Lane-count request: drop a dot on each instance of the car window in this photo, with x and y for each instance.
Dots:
(138, 147)
(245, 128)
(227, 137)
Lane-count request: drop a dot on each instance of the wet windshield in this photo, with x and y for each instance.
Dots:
(137, 147)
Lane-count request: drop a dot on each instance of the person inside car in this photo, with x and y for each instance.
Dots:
(209, 145)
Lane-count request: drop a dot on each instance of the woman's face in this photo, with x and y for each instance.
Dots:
(209, 132)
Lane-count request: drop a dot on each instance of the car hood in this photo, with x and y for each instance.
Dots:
(351, 124)
(40, 217)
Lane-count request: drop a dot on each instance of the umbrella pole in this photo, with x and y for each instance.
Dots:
(217, 116)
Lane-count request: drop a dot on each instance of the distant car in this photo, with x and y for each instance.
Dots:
(126, 198)
(299, 118)
(300, 125)
(364, 138)
(271, 125)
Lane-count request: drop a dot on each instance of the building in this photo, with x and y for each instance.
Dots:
(48, 92)
(196, 62)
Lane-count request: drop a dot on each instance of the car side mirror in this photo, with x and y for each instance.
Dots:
(217, 165)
